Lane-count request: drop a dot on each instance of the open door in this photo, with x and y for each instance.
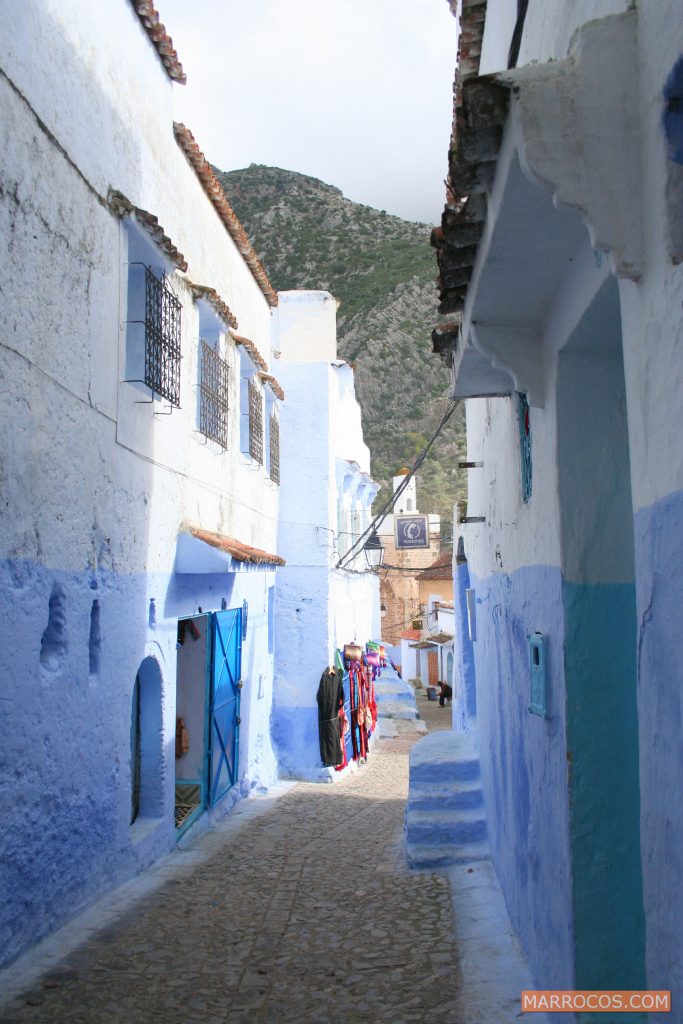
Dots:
(225, 685)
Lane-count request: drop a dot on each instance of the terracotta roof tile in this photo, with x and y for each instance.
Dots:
(242, 552)
(254, 353)
(214, 191)
(123, 207)
(441, 638)
(441, 569)
(479, 112)
(163, 43)
(201, 291)
(276, 388)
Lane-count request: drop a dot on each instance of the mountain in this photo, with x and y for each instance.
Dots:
(308, 235)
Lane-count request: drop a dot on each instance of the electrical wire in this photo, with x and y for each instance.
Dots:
(384, 512)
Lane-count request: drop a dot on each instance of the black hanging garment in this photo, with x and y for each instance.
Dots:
(330, 698)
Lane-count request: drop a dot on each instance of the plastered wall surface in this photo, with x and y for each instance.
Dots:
(548, 29)
(97, 487)
(323, 456)
(558, 544)
(306, 326)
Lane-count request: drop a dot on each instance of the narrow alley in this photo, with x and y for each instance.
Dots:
(301, 909)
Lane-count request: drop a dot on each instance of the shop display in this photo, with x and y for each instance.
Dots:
(347, 710)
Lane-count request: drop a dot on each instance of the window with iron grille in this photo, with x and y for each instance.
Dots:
(162, 338)
(274, 449)
(255, 422)
(213, 395)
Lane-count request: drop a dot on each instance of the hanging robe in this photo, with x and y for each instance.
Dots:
(330, 697)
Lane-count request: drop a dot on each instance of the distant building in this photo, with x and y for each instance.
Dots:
(326, 497)
(399, 590)
(560, 256)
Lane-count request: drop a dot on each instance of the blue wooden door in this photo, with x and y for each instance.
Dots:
(224, 703)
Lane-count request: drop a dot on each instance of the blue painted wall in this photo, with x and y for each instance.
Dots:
(465, 702)
(659, 576)
(65, 754)
(523, 764)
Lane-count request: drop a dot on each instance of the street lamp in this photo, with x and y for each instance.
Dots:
(374, 551)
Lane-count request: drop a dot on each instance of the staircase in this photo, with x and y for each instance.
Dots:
(444, 820)
(396, 704)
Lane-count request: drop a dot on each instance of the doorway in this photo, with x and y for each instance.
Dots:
(146, 747)
(600, 650)
(208, 690)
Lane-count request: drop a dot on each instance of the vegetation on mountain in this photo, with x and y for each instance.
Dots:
(381, 268)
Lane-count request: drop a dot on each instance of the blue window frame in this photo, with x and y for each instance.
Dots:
(524, 444)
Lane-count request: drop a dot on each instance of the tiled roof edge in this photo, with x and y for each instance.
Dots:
(161, 40)
(274, 386)
(242, 552)
(254, 354)
(480, 106)
(122, 207)
(214, 191)
(200, 291)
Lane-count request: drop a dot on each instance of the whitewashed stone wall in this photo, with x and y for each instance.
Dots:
(97, 487)
(593, 560)
(319, 608)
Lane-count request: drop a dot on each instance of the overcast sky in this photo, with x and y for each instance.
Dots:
(355, 92)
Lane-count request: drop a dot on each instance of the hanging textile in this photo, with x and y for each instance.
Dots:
(330, 698)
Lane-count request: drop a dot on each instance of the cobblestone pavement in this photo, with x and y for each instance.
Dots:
(305, 914)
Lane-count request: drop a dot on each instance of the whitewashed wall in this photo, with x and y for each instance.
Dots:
(556, 564)
(97, 486)
(319, 608)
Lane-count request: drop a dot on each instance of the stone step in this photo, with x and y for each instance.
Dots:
(396, 709)
(427, 796)
(387, 728)
(446, 757)
(427, 857)
(392, 691)
(444, 772)
(441, 828)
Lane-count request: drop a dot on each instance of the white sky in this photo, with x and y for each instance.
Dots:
(355, 92)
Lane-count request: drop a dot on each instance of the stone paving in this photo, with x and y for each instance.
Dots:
(304, 914)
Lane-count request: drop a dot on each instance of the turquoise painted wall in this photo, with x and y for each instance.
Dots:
(604, 805)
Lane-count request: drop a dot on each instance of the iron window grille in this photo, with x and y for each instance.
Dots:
(524, 444)
(162, 338)
(274, 449)
(213, 395)
(255, 422)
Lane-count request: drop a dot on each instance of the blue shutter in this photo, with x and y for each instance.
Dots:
(224, 710)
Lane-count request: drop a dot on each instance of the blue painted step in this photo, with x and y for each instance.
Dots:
(428, 796)
(447, 826)
(431, 857)
(445, 822)
(393, 691)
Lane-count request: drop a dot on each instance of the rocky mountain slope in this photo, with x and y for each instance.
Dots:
(308, 235)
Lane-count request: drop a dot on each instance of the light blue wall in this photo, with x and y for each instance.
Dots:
(465, 688)
(659, 577)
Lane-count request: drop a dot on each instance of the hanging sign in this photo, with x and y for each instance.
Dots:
(411, 532)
